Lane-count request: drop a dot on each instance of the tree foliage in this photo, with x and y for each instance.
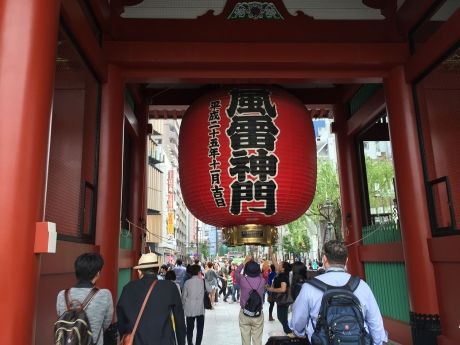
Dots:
(325, 207)
(327, 188)
(380, 174)
(204, 250)
(297, 240)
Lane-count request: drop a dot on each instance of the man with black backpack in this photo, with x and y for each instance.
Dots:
(251, 318)
(342, 309)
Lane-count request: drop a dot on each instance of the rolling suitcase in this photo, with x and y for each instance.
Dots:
(285, 340)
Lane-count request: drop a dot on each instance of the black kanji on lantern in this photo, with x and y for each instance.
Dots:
(257, 132)
(246, 101)
(253, 135)
(241, 191)
(265, 191)
(239, 164)
(213, 152)
(263, 164)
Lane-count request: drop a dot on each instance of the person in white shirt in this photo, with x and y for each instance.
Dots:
(306, 306)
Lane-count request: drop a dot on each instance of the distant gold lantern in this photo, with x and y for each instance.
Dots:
(250, 234)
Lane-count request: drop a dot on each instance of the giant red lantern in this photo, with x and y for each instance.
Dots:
(247, 161)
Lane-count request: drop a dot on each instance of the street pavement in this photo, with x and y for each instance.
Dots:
(221, 325)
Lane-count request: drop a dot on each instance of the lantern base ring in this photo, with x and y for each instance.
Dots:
(250, 234)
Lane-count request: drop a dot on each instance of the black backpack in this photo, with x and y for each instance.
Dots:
(72, 327)
(253, 306)
(340, 318)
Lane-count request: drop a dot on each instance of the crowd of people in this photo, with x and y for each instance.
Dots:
(177, 294)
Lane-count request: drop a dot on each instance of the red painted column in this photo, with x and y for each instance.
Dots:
(349, 190)
(139, 185)
(413, 213)
(28, 35)
(110, 178)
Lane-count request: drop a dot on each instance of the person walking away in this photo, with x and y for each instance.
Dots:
(249, 280)
(306, 308)
(220, 281)
(229, 279)
(211, 278)
(236, 286)
(281, 286)
(192, 299)
(170, 275)
(99, 310)
(162, 273)
(179, 270)
(163, 319)
(271, 295)
(223, 273)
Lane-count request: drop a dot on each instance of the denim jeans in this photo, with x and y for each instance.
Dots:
(230, 293)
(236, 292)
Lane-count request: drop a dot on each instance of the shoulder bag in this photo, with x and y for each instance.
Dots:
(128, 338)
(284, 298)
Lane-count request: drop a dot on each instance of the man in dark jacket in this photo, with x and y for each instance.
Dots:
(163, 319)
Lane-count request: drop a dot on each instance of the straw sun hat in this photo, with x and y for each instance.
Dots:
(147, 260)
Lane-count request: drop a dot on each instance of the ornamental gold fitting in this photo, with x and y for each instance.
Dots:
(250, 234)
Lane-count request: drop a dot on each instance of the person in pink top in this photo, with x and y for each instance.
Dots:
(249, 277)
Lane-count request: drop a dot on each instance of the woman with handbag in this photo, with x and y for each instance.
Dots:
(192, 299)
(281, 288)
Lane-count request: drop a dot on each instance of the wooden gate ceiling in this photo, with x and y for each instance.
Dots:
(318, 50)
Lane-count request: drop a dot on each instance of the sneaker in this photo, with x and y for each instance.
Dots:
(291, 335)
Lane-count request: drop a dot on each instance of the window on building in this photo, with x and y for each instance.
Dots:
(438, 106)
(73, 160)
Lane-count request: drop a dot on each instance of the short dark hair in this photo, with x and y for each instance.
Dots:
(195, 269)
(210, 264)
(179, 262)
(170, 275)
(336, 252)
(273, 268)
(87, 265)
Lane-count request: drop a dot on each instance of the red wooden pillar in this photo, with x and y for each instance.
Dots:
(29, 30)
(139, 186)
(110, 178)
(349, 190)
(410, 186)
